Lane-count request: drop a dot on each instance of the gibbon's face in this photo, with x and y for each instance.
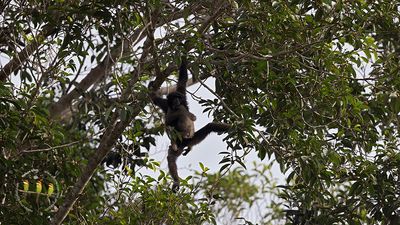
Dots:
(175, 100)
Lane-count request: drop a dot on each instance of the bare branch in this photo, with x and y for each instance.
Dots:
(247, 55)
(92, 77)
(24, 54)
(51, 148)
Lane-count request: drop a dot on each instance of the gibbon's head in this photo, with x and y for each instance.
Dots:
(176, 99)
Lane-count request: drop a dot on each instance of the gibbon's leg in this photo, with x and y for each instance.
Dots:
(201, 134)
(175, 138)
(173, 169)
(174, 147)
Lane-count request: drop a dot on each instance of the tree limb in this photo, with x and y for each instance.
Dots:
(110, 136)
(96, 74)
(58, 109)
(51, 148)
(16, 62)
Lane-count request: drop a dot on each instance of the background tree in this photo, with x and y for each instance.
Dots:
(313, 84)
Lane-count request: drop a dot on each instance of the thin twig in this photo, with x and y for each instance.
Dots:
(51, 148)
(219, 98)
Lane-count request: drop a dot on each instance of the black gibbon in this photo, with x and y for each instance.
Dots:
(181, 120)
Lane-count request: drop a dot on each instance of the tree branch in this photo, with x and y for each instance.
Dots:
(110, 136)
(50, 148)
(58, 109)
(96, 74)
(16, 62)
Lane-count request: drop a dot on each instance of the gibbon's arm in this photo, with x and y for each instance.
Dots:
(157, 99)
(183, 77)
(161, 102)
(201, 134)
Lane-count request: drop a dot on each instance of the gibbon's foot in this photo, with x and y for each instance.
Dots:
(175, 186)
(186, 151)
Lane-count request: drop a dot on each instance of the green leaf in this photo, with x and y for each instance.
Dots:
(223, 167)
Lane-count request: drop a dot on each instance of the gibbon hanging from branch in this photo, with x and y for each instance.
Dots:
(181, 121)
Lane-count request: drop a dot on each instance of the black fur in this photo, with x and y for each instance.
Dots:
(201, 134)
(176, 99)
(178, 116)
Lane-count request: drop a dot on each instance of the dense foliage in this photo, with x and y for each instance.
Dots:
(312, 84)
